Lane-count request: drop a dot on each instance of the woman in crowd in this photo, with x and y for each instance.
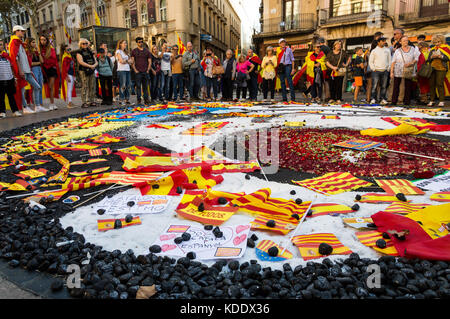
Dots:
(209, 63)
(155, 75)
(269, 63)
(123, 71)
(424, 83)
(315, 73)
(36, 63)
(439, 60)
(67, 75)
(337, 62)
(7, 83)
(51, 69)
(403, 62)
(105, 73)
(87, 64)
(166, 71)
(229, 65)
(242, 69)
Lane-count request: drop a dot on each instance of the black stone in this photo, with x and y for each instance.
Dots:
(155, 249)
(222, 200)
(325, 249)
(401, 197)
(355, 207)
(298, 201)
(247, 176)
(295, 216)
(179, 190)
(273, 251)
(201, 207)
(178, 240)
(381, 243)
(293, 192)
(131, 204)
(254, 237)
(186, 236)
(358, 197)
(386, 236)
(57, 285)
(250, 243)
(128, 219)
(208, 227)
(191, 255)
(271, 223)
(117, 224)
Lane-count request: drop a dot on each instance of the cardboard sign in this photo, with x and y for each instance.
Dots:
(440, 183)
(147, 204)
(359, 145)
(203, 242)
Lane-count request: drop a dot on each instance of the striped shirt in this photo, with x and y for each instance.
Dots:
(5, 70)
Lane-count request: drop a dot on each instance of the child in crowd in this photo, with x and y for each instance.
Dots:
(358, 74)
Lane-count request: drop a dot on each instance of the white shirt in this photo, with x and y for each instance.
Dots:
(123, 66)
(165, 61)
(380, 59)
(401, 58)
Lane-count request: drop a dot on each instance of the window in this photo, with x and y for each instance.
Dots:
(204, 20)
(347, 7)
(101, 11)
(127, 18)
(144, 13)
(191, 12)
(431, 8)
(44, 17)
(50, 13)
(163, 10)
(291, 14)
(83, 15)
(27, 17)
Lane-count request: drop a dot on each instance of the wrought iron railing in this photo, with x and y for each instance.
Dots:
(302, 21)
(413, 9)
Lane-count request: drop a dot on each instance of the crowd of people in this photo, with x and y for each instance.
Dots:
(387, 74)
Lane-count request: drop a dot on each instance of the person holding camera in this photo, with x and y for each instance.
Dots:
(210, 64)
(87, 64)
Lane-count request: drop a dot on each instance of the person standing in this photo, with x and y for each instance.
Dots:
(439, 61)
(87, 64)
(105, 73)
(337, 62)
(380, 63)
(209, 63)
(358, 72)
(229, 65)
(124, 71)
(191, 63)
(253, 82)
(374, 44)
(242, 69)
(286, 69)
(67, 75)
(51, 70)
(142, 63)
(7, 83)
(176, 61)
(269, 63)
(326, 84)
(36, 62)
(402, 68)
(315, 73)
(166, 70)
(155, 76)
(424, 83)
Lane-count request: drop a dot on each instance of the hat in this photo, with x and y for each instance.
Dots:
(18, 28)
(281, 40)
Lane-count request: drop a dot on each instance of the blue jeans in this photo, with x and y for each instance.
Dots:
(165, 83)
(287, 75)
(125, 83)
(142, 80)
(178, 85)
(37, 93)
(382, 78)
(211, 82)
(194, 83)
(155, 87)
(33, 82)
(253, 86)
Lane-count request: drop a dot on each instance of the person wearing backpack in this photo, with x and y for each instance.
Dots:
(105, 72)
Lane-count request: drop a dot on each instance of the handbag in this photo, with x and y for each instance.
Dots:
(425, 71)
(408, 72)
(218, 69)
(340, 71)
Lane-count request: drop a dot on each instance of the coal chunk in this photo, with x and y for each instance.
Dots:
(186, 236)
(222, 200)
(155, 249)
(271, 223)
(355, 207)
(273, 251)
(128, 219)
(401, 197)
(191, 255)
(117, 224)
(298, 201)
(178, 240)
(381, 243)
(325, 249)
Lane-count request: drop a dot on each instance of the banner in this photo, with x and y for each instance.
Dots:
(151, 7)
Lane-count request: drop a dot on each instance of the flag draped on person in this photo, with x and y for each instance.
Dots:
(65, 63)
(308, 67)
(14, 47)
(445, 49)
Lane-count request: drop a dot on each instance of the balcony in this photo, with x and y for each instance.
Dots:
(353, 12)
(423, 11)
(303, 22)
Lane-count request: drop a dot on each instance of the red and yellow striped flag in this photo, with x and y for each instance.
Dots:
(333, 183)
(395, 186)
(89, 161)
(281, 227)
(100, 152)
(181, 47)
(404, 208)
(379, 198)
(369, 239)
(205, 129)
(329, 208)
(62, 175)
(90, 172)
(105, 139)
(263, 247)
(124, 178)
(441, 197)
(308, 245)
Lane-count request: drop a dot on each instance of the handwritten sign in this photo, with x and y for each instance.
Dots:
(204, 243)
(142, 204)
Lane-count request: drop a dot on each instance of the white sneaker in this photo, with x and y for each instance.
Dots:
(27, 110)
(40, 108)
(2, 115)
(430, 104)
(384, 102)
(441, 104)
(17, 114)
(373, 101)
(53, 107)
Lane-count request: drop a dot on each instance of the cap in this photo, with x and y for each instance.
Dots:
(18, 28)
(281, 40)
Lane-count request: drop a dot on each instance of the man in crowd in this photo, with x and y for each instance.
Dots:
(253, 82)
(326, 87)
(142, 62)
(286, 69)
(380, 62)
(191, 63)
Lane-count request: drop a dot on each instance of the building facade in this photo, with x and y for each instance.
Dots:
(352, 21)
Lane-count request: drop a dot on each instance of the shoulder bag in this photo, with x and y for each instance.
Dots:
(408, 72)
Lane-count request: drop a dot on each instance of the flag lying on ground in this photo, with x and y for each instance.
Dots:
(280, 227)
(379, 198)
(163, 126)
(402, 129)
(369, 239)
(308, 245)
(441, 197)
(84, 182)
(77, 147)
(134, 151)
(404, 208)
(358, 222)
(359, 145)
(105, 139)
(39, 147)
(100, 152)
(243, 167)
(205, 129)
(89, 161)
(263, 247)
(50, 195)
(329, 209)
(395, 186)
(32, 173)
(418, 123)
(124, 178)
(333, 183)
(61, 176)
(89, 172)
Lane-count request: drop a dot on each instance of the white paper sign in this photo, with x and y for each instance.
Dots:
(440, 183)
(143, 204)
(203, 242)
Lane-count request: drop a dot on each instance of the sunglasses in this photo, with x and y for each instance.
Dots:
(140, 42)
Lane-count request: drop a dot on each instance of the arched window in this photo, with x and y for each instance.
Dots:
(191, 12)
(163, 10)
(101, 11)
(144, 13)
(127, 18)
(84, 18)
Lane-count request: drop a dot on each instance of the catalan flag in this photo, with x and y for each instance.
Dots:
(77, 147)
(56, 195)
(39, 147)
(244, 167)
(84, 182)
(379, 198)
(262, 251)
(404, 208)
(89, 161)
(369, 239)
(14, 157)
(32, 173)
(69, 38)
(441, 197)
(281, 227)
(333, 183)
(205, 129)
(100, 152)
(61, 176)
(163, 126)
(181, 47)
(329, 208)
(124, 178)
(105, 139)
(395, 186)
(308, 245)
